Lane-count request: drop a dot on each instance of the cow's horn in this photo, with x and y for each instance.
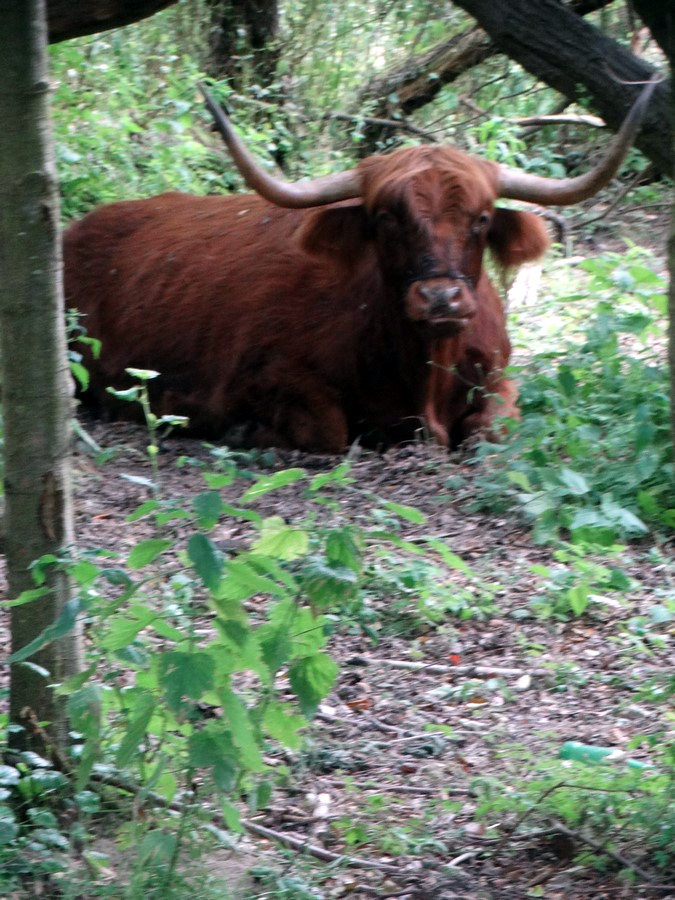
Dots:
(318, 192)
(565, 191)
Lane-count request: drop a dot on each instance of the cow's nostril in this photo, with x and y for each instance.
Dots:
(438, 296)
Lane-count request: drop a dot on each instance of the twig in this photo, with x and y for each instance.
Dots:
(318, 852)
(403, 789)
(398, 124)
(621, 194)
(437, 669)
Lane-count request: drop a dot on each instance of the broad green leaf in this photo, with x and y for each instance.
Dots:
(185, 674)
(577, 597)
(208, 506)
(243, 734)
(338, 475)
(343, 546)
(147, 551)
(242, 581)
(449, 558)
(207, 560)
(210, 745)
(573, 481)
(311, 679)
(123, 630)
(519, 479)
(326, 584)
(281, 724)
(29, 596)
(281, 541)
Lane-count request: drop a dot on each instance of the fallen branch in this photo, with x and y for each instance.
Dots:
(564, 119)
(216, 819)
(437, 669)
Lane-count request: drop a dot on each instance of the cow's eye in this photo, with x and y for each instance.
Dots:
(385, 219)
(481, 223)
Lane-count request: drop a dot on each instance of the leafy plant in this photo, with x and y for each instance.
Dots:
(592, 460)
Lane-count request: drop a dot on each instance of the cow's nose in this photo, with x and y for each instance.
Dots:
(441, 298)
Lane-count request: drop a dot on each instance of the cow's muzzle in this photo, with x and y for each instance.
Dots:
(443, 305)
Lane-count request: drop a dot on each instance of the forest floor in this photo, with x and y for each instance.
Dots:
(401, 753)
(433, 719)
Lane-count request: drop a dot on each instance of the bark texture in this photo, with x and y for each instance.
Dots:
(68, 19)
(572, 56)
(36, 387)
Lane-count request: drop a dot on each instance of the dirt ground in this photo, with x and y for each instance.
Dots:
(510, 690)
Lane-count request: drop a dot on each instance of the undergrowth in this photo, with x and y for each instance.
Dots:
(591, 460)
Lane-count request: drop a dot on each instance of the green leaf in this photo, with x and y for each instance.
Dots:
(29, 596)
(343, 547)
(520, 480)
(577, 597)
(242, 581)
(409, 513)
(281, 541)
(338, 475)
(147, 551)
(573, 481)
(185, 674)
(209, 507)
(143, 709)
(283, 725)
(122, 631)
(63, 625)
(311, 679)
(207, 560)
(449, 558)
(212, 746)
(242, 730)
(143, 510)
(267, 483)
(328, 585)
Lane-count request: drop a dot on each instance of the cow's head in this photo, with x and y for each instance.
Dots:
(430, 214)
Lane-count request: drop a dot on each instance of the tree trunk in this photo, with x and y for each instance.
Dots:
(659, 17)
(36, 386)
(68, 19)
(567, 52)
(243, 40)
(419, 80)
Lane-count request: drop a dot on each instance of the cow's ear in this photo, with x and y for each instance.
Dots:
(516, 237)
(340, 232)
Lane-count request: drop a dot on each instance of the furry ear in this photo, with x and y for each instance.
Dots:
(516, 237)
(338, 231)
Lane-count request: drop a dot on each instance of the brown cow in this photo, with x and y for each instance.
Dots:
(315, 313)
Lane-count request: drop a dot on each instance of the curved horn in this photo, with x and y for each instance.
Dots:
(565, 191)
(318, 192)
